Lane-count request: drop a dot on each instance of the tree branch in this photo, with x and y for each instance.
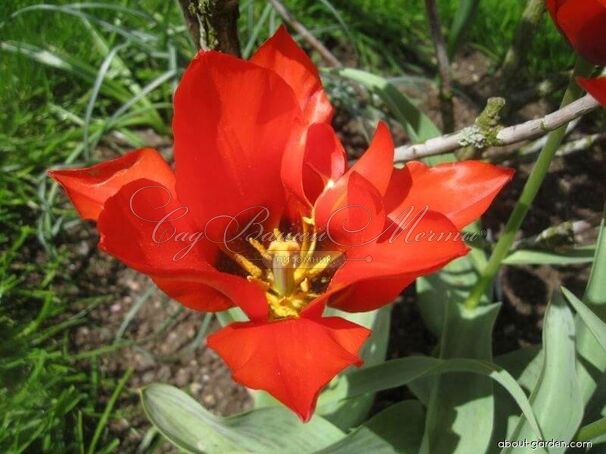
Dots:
(213, 24)
(288, 17)
(446, 95)
(506, 136)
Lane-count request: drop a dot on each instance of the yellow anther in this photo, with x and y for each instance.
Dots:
(322, 265)
(260, 248)
(305, 285)
(252, 269)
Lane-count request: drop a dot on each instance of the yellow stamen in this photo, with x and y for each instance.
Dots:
(246, 265)
(260, 248)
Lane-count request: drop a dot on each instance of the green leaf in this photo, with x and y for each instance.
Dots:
(461, 408)
(385, 433)
(525, 366)
(418, 126)
(190, 427)
(569, 256)
(555, 398)
(592, 358)
(399, 372)
(348, 414)
(461, 22)
(591, 320)
(452, 283)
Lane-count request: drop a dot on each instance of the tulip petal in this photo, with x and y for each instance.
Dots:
(310, 164)
(596, 87)
(232, 122)
(371, 294)
(376, 164)
(374, 167)
(146, 227)
(351, 216)
(583, 23)
(88, 188)
(418, 245)
(281, 54)
(292, 359)
(462, 191)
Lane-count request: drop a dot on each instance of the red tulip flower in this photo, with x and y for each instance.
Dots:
(583, 23)
(263, 213)
(596, 87)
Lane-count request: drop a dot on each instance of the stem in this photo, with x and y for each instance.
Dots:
(531, 188)
(446, 95)
(213, 24)
(591, 431)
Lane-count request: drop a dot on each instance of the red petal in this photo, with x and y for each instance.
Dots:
(281, 54)
(376, 164)
(310, 164)
(374, 167)
(146, 227)
(462, 191)
(371, 294)
(232, 122)
(88, 188)
(595, 87)
(351, 216)
(292, 359)
(583, 23)
(421, 245)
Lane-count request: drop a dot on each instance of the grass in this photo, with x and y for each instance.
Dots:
(97, 74)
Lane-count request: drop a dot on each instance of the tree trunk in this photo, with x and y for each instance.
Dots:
(213, 24)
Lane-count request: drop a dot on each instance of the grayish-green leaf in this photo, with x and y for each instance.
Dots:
(399, 372)
(591, 320)
(570, 256)
(555, 398)
(461, 407)
(398, 429)
(267, 430)
(417, 125)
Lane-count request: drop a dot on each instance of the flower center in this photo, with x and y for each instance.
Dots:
(293, 270)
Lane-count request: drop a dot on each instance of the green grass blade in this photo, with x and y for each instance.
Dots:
(417, 125)
(107, 412)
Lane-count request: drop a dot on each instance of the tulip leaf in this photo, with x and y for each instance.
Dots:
(461, 407)
(525, 366)
(555, 398)
(400, 372)
(452, 283)
(192, 428)
(592, 358)
(417, 125)
(385, 433)
(591, 320)
(570, 256)
(346, 415)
